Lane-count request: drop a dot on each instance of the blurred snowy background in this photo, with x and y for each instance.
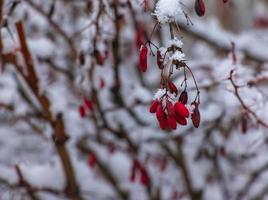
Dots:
(86, 51)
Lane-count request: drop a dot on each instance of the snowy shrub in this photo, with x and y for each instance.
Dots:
(133, 99)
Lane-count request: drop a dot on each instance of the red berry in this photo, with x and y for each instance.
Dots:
(183, 97)
(172, 122)
(225, 1)
(160, 114)
(154, 106)
(144, 178)
(170, 108)
(82, 111)
(88, 104)
(181, 120)
(200, 7)
(134, 168)
(181, 110)
(163, 123)
(92, 159)
(172, 87)
(195, 116)
(143, 58)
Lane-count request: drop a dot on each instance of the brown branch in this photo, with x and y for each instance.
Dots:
(255, 175)
(86, 149)
(243, 104)
(218, 46)
(1, 21)
(56, 27)
(59, 136)
(24, 183)
(116, 63)
(181, 163)
(31, 77)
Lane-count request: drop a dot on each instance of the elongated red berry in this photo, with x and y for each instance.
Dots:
(160, 60)
(181, 110)
(200, 8)
(183, 97)
(170, 108)
(195, 116)
(143, 58)
(163, 123)
(92, 159)
(160, 114)
(82, 111)
(144, 178)
(135, 166)
(181, 120)
(172, 87)
(172, 122)
(88, 104)
(154, 105)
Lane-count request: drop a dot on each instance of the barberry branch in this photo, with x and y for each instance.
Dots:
(87, 150)
(243, 104)
(60, 136)
(222, 47)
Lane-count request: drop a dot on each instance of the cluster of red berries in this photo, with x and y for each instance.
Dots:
(143, 59)
(139, 169)
(168, 112)
(169, 115)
